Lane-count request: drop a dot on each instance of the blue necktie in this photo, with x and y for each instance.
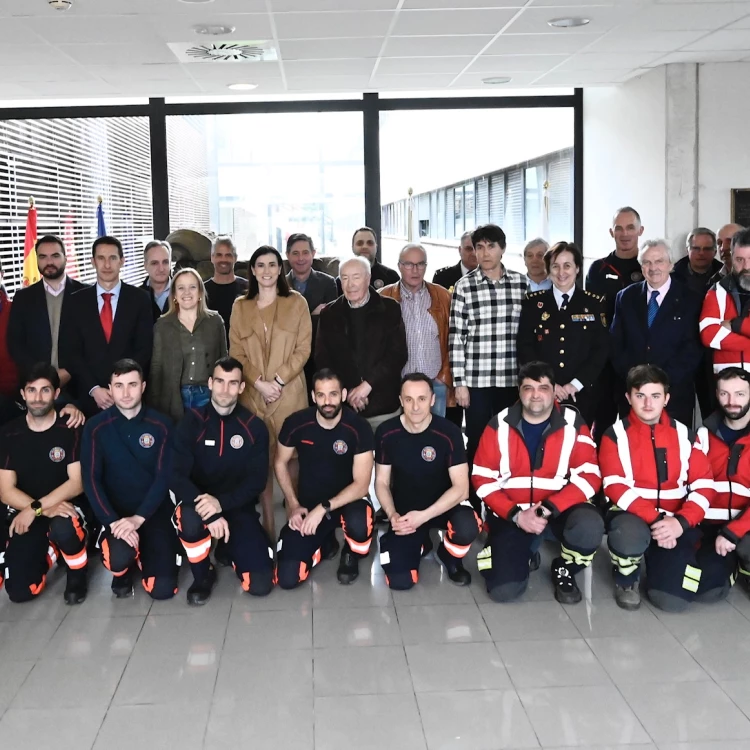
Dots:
(653, 308)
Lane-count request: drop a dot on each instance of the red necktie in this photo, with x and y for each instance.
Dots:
(106, 315)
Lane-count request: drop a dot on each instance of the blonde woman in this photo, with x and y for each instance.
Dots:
(188, 339)
(270, 332)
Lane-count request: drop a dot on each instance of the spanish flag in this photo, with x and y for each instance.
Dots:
(30, 264)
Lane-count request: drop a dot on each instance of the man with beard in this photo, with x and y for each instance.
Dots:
(39, 314)
(334, 445)
(724, 245)
(40, 482)
(223, 288)
(724, 323)
(724, 438)
(220, 468)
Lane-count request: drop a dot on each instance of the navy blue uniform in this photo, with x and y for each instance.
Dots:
(420, 465)
(227, 457)
(40, 462)
(127, 465)
(326, 461)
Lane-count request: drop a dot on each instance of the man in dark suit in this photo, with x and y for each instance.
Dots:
(108, 322)
(447, 277)
(316, 287)
(157, 259)
(656, 322)
(40, 313)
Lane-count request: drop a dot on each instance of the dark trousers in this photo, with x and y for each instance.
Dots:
(484, 403)
(609, 392)
(705, 385)
(586, 402)
(156, 556)
(400, 555)
(298, 555)
(674, 577)
(504, 563)
(30, 556)
(248, 546)
(456, 415)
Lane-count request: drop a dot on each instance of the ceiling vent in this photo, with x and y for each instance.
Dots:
(225, 52)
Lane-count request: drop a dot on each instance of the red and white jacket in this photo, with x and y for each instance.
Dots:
(731, 470)
(730, 347)
(565, 472)
(658, 469)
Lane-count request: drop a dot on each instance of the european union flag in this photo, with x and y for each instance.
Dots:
(101, 229)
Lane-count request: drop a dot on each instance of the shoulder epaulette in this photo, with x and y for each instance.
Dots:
(597, 297)
(536, 294)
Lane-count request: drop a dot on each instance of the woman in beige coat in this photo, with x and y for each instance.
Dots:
(270, 333)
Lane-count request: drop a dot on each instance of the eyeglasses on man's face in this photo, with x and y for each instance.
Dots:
(411, 266)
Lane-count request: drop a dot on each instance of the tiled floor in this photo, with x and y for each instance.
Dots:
(334, 668)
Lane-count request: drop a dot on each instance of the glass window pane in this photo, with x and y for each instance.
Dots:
(533, 212)
(262, 177)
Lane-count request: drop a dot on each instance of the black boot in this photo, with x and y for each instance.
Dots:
(566, 588)
(330, 547)
(122, 586)
(455, 568)
(77, 586)
(200, 591)
(348, 571)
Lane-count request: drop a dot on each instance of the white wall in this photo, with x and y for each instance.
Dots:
(624, 157)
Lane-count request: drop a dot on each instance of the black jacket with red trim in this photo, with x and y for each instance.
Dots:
(564, 472)
(731, 471)
(658, 469)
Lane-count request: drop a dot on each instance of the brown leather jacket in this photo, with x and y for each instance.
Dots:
(440, 309)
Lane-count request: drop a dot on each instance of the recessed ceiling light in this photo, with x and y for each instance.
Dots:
(568, 23)
(496, 80)
(242, 86)
(213, 29)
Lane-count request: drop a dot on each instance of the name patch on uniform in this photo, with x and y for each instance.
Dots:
(610, 276)
(237, 442)
(56, 455)
(583, 318)
(209, 442)
(340, 447)
(146, 440)
(429, 453)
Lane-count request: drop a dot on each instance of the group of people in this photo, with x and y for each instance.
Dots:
(196, 395)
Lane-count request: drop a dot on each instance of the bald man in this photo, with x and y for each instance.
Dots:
(724, 245)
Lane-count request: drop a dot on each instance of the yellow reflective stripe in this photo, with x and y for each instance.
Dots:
(690, 584)
(484, 559)
(625, 565)
(694, 573)
(571, 556)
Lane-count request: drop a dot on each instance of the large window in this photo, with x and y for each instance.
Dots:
(262, 177)
(65, 165)
(512, 167)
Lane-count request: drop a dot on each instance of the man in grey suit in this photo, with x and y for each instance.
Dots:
(316, 287)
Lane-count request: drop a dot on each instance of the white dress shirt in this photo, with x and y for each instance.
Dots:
(115, 292)
(661, 291)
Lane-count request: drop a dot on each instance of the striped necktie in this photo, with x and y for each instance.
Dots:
(653, 307)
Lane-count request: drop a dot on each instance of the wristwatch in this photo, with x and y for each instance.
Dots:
(36, 506)
(326, 505)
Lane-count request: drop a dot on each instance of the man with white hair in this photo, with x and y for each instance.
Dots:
(361, 338)
(536, 269)
(656, 323)
(425, 309)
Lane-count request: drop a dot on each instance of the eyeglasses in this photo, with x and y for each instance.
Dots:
(411, 266)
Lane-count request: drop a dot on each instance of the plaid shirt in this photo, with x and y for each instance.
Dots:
(483, 329)
(422, 339)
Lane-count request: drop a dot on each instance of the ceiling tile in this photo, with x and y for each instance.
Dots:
(85, 29)
(434, 46)
(158, 88)
(501, 64)
(578, 3)
(643, 41)
(117, 54)
(411, 83)
(534, 20)
(278, 6)
(35, 54)
(83, 88)
(324, 84)
(450, 22)
(699, 57)
(321, 49)
(738, 39)
(231, 72)
(17, 31)
(307, 68)
(608, 61)
(743, 23)
(116, 74)
(687, 16)
(45, 73)
(539, 44)
(248, 26)
(14, 91)
(581, 77)
(435, 4)
(422, 65)
(332, 25)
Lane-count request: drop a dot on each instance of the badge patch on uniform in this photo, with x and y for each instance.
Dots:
(604, 319)
(540, 305)
(378, 283)
(429, 453)
(56, 455)
(237, 442)
(340, 447)
(146, 440)
(545, 316)
(636, 276)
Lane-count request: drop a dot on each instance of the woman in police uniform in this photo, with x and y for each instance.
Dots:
(566, 327)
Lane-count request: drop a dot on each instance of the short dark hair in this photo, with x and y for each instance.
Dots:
(626, 210)
(224, 239)
(364, 229)
(282, 286)
(741, 238)
(124, 366)
(228, 364)
(157, 243)
(561, 247)
(536, 371)
(641, 375)
(41, 371)
(489, 233)
(325, 373)
(417, 377)
(49, 239)
(107, 240)
(732, 372)
(299, 237)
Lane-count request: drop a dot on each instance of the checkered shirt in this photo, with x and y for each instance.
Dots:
(483, 329)
(422, 339)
